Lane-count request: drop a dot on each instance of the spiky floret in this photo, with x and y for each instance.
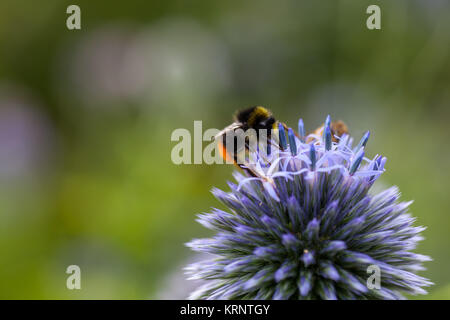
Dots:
(307, 228)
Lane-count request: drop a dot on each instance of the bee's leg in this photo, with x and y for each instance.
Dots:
(247, 170)
(244, 167)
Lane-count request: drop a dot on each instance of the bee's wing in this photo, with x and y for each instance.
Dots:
(231, 127)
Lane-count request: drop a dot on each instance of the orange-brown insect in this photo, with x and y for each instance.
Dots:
(338, 128)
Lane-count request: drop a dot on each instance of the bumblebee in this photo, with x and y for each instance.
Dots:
(256, 118)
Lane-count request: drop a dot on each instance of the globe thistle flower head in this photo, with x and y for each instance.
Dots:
(306, 227)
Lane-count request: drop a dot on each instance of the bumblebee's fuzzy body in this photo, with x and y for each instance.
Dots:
(338, 128)
(256, 118)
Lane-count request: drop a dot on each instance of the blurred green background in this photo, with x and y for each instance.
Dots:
(86, 118)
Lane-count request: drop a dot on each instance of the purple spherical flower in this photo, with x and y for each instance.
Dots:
(306, 227)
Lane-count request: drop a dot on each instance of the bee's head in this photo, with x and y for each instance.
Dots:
(266, 123)
(256, 117)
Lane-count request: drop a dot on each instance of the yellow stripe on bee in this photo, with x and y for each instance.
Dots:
(258, 112)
